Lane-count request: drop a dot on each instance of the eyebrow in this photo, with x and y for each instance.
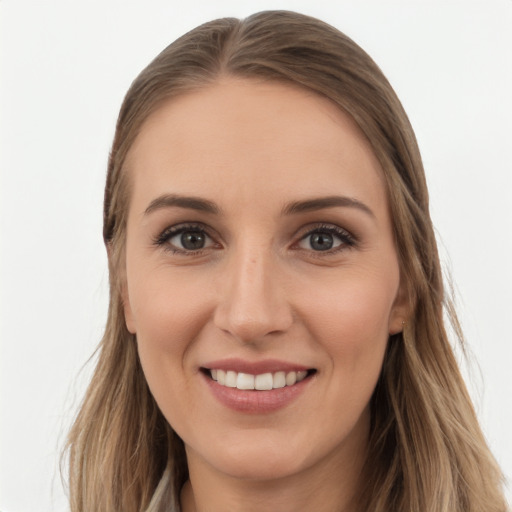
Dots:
(321, 203)
(308, 205)
(191, 203)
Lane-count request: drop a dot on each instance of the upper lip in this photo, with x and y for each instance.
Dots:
(255, 367)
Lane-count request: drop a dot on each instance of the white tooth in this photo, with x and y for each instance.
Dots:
(245, 381)
(221, 377)
(301, 375)
(214, 374)
(279, 380)
(263, 381)
(230, 379)
(291, 378)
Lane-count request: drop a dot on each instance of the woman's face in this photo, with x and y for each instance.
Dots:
(260, 253)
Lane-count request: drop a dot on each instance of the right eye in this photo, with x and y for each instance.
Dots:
(190, 240)
(185, 239)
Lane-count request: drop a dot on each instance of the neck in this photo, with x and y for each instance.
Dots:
(264, 496)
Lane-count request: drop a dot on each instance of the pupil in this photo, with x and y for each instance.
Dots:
(321, 241)
(192, 240)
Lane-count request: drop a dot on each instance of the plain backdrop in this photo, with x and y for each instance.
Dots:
(65, 66)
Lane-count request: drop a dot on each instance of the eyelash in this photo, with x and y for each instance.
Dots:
(347, 239)
(162, 240)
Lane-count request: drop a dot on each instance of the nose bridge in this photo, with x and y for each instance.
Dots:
(253, 302)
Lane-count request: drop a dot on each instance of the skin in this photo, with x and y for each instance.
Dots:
(259, 289)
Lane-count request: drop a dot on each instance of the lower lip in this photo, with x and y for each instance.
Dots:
(256, 402)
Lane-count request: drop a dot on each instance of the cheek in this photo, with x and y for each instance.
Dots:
(167, 309)
(168, 316)
(360, 305)
(349, 320)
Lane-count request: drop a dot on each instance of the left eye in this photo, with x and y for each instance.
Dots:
(190, 240)
(323, 240)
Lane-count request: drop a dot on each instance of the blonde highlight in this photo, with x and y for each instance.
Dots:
(426, 452)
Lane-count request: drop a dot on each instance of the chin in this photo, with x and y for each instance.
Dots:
(259, 459)
(273, 467)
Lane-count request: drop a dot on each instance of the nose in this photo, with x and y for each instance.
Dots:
(252, 303)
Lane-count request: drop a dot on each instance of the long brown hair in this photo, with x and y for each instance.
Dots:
(426, 450)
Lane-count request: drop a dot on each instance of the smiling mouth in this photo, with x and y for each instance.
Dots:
(261, 382)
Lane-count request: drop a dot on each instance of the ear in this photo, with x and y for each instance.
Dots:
(128, 313)
(400, 310)
(122, 286)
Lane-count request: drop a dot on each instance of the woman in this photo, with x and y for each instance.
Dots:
(275, 338)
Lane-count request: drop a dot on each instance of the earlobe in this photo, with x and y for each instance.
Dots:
(400, 312)
(397, 330)
(396, 326)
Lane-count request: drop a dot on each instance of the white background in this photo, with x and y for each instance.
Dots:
(65, 66)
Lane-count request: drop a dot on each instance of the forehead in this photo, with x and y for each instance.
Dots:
(253, 139)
